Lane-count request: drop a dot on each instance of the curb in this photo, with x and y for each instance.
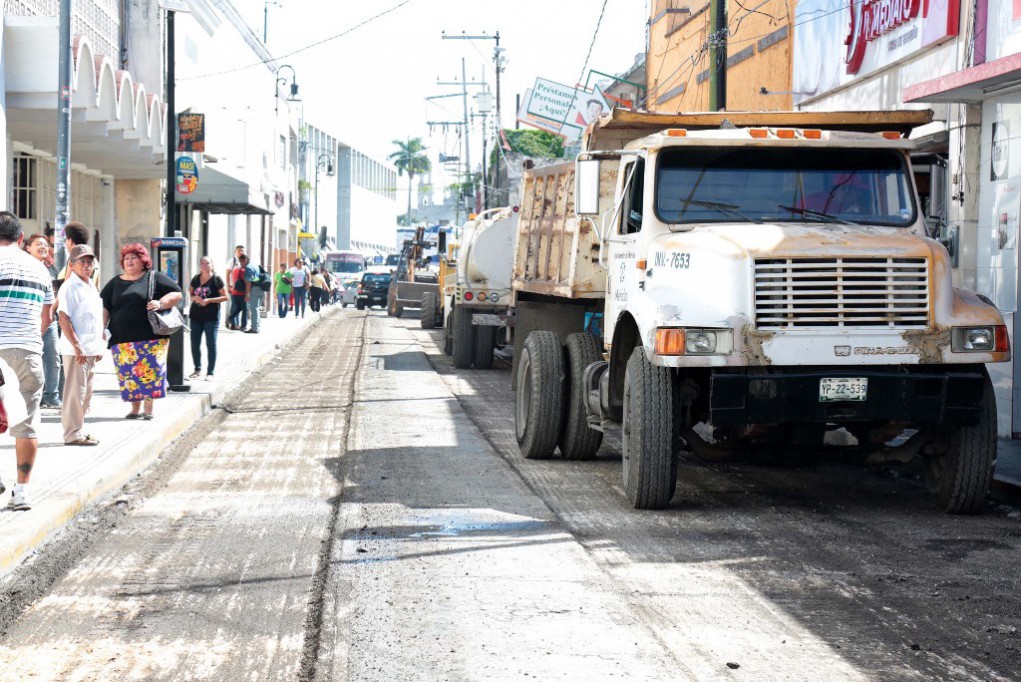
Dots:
(115, 469)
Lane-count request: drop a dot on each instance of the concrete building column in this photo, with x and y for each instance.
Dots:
(965, 162)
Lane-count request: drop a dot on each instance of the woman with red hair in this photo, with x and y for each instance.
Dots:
(139, 354)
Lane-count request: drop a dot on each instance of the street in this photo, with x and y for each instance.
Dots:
(359, 511)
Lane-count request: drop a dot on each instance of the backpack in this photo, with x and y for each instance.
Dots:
(264, 283)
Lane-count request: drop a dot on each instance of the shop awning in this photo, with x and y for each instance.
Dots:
(117, 127)
(970, 85)
(218, 192)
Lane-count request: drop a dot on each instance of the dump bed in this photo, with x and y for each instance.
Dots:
(557, 253)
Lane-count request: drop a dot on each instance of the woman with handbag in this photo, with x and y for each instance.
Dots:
(138, 309)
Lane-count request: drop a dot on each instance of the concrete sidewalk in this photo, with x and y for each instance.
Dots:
(67, 479)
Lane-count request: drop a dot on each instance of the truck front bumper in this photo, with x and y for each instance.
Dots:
(934, 397)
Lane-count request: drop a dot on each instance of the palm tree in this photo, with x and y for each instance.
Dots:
(410, 158)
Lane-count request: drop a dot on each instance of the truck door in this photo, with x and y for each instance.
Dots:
(623, 277)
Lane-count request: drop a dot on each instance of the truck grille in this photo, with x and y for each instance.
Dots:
(807, 293)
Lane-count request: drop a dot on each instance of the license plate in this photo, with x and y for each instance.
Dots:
(834, 390)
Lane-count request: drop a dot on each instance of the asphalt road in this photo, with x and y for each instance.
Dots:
(360, 512)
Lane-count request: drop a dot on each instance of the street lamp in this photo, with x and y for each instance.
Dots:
(293, 96)
(324, 161)
(265, 17)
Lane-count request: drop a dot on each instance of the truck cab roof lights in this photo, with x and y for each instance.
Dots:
(785, 133)
(758, 133)
(812, 134)
(891, 134)
(677, 132)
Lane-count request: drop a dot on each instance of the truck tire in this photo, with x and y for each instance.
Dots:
(389, 306)
(538, 400)
(485, 340)
(448, 334)
(577, 440)
(463, 337)
(959, 478)
(649, 464)
(428, 314)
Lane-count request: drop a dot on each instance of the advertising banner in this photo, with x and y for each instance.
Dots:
(561, 109)
(191, 132)
(187, 175)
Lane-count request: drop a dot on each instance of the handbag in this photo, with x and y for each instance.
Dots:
(163, 322)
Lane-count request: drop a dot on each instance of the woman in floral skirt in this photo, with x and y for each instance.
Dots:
(139, 354)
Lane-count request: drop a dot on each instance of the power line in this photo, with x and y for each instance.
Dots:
(301, 49)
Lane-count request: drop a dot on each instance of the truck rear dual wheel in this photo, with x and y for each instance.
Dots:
(577, 441)
(463, 333)
(959, 478)
(647, 438)
(538, 400)
(428, 314)
(448, 336)
(485, 340)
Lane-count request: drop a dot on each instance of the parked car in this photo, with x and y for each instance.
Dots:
(372, 290)
(349, 294)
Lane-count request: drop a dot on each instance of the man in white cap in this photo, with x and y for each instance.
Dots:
(81, 345)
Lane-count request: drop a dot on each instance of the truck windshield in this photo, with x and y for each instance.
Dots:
(784, 184)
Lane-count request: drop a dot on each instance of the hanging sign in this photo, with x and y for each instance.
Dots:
(191, 132)
(187, 175)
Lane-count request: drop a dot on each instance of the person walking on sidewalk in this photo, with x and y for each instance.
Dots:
(82, 344)
(139, 354)
(238, 307)
(235, 260)
(76, 234)
(282, 287)
(254, 281)
(26, 300)
(38, 246)
(300, 281)
(315, 292)
(207, 293)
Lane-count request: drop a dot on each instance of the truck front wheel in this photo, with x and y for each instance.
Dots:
(650, 466)
(485, 340)
(428, 314)
(537, 400)
(577, 440)
(463, 336)
(959, 478)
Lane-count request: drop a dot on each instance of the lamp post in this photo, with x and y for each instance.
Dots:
(324, 161)
(293, 96)
(265, 18)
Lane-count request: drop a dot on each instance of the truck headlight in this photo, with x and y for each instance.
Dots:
(682, 341)
(979, 339)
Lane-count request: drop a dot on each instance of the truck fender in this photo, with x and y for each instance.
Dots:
(626, 338)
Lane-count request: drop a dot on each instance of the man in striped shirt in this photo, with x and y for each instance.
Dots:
(26, 300)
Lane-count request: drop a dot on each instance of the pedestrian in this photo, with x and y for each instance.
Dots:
(315, 292)
(139, 354)
(26, 300)
(38, 246)
(208, 291)
(282, 287)
(254, 278)
(82, 344)
(76, 234)
(235, 261)
(300, 277)
(238, 307)
(328, 291)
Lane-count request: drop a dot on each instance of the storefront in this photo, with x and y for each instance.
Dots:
(992, 88)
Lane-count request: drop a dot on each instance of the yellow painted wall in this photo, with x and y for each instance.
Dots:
(678, 60)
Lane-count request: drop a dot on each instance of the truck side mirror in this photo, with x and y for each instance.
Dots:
(952, 244)
(586, 187)
(441, 247)
(937, 191)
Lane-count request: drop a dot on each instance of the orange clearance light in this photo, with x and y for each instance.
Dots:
(677, 132)
(472, 216)
(669, 341)
(1002, 340)
(785, 134)
(812, 134)
(640, 264)
(758, 133)
(891, 135)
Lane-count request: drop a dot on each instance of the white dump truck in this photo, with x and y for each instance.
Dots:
(726, 283)
(479, 298)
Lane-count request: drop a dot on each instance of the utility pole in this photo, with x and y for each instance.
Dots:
(498, 62)
(467, 145)
(717, 55)
(171, 221)
(63, 133)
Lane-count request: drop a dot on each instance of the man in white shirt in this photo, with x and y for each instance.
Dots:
(26, 299)
(82, 344)
(300, 282)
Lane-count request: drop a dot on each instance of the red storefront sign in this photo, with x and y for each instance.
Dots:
(871, 19)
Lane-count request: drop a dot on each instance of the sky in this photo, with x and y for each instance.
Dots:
(368, 87)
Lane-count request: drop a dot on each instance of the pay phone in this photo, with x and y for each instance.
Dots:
(169, 256)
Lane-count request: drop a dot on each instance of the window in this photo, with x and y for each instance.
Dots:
(26, 180)
(634, 199)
